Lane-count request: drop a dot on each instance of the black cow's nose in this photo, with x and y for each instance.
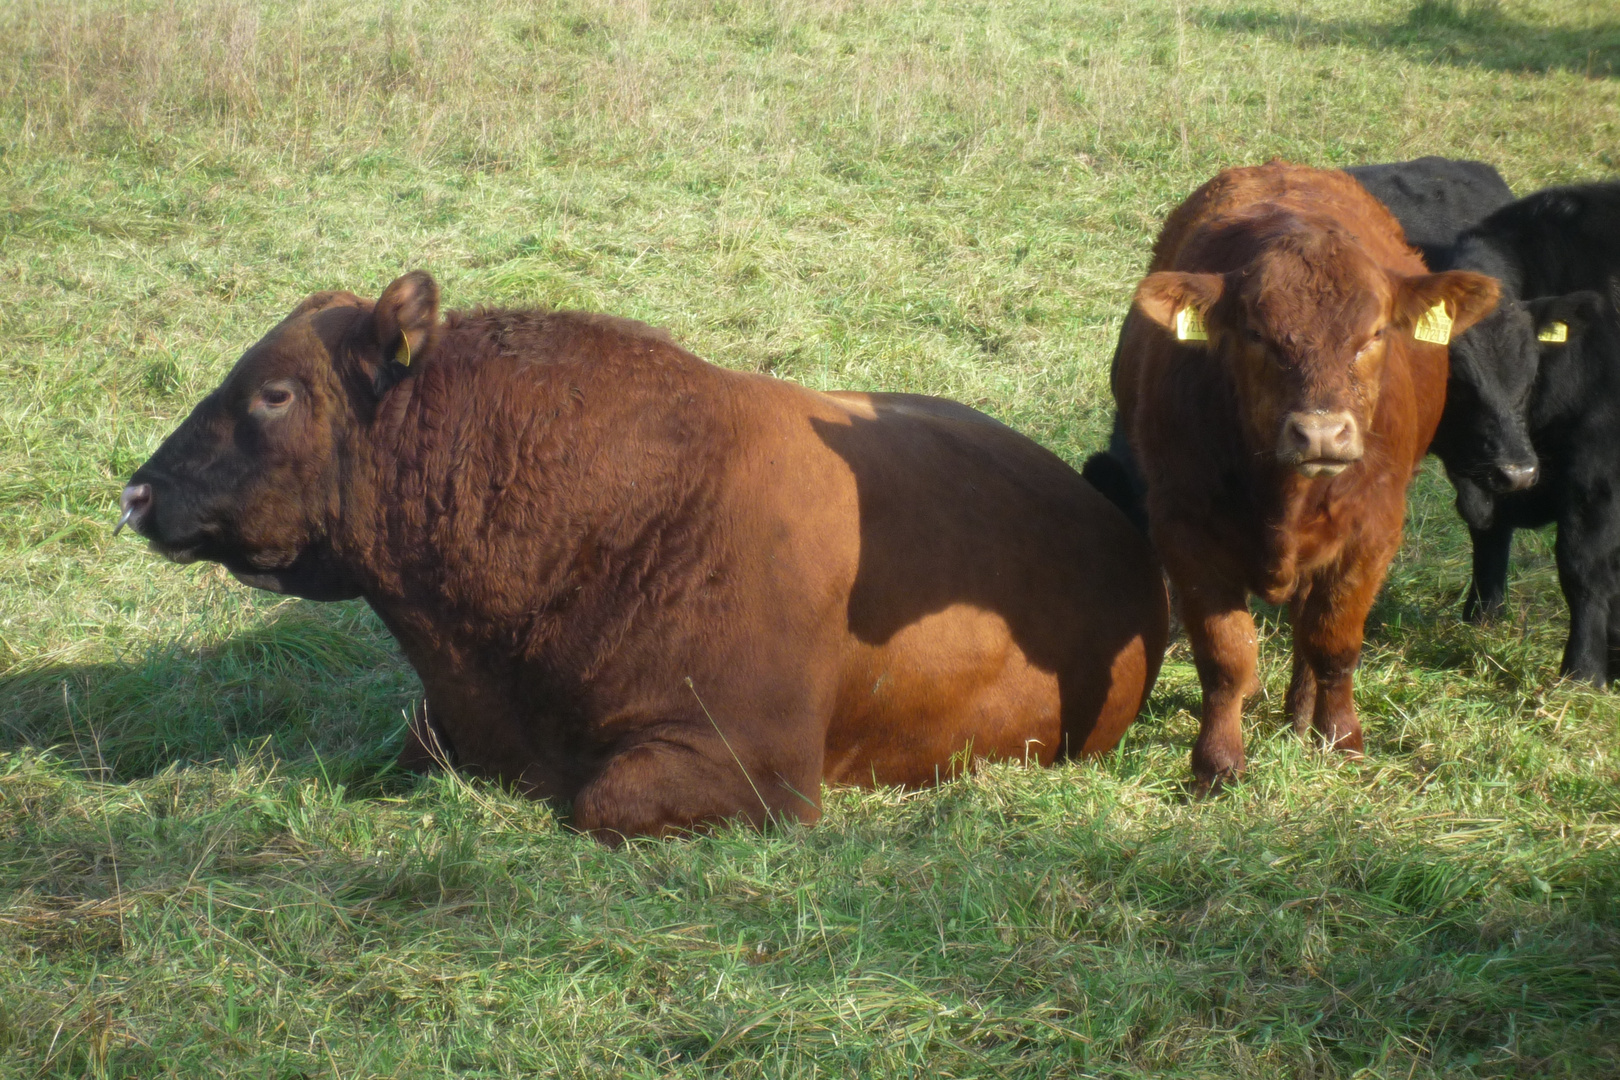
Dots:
(1515, 477)
(137, 501)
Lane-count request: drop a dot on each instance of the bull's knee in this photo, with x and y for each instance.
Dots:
(426, 748)
(663, 789)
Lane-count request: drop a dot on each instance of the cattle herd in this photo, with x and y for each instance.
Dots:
(667, 594)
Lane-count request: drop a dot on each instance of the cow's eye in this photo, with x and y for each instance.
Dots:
(272, 397)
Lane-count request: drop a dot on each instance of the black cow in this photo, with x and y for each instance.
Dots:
(1435, 198)
(1575, 425)
(1542, 368)
(1550, 249)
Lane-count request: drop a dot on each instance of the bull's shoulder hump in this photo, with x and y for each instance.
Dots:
(919, 406)
(617, 325)
(953, 421)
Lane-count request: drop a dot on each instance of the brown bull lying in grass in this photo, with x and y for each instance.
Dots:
(661, 591)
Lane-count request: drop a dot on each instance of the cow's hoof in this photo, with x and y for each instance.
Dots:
(1208, 781)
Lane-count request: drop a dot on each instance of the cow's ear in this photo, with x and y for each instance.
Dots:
(322, 300)
(1438, 307)
(1180, 302)
(1560, 319)
(407, 315)
(403, 328)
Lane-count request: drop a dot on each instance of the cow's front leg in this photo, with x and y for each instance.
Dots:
(426, 748)
(1221, 632)
(680, 781)
(1328, 628)
(1488, 588)
(1300, 705)
(1588, 543)
(1614, 638)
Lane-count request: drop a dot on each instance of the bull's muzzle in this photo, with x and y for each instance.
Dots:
(1319, 443)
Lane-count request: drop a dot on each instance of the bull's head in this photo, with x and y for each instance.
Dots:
(1305, 328)
(252, 478)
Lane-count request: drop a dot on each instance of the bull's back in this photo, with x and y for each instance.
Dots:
(998, 602)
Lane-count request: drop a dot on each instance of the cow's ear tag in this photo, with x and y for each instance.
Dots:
(1556, 332)
(1434, 326)
(1190, 325)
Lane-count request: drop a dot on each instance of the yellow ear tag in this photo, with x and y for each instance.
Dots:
(1554, 332)
(1434, 326)
(405, 339)
(1190, 325)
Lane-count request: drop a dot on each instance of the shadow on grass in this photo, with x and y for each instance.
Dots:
(320, 682)
(1462, 34)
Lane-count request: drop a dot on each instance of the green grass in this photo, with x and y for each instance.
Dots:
(207, 866)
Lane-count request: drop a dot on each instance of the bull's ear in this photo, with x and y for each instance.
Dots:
(401, 332)
(407, 314)
(1438, 307)
(322, 300)
(1561, 319)
(1180, 302)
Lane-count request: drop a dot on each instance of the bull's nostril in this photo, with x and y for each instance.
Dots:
(137, 499)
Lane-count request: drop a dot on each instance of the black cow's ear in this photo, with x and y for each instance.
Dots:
(1559, 319)
(1180, 302)
(403, 329)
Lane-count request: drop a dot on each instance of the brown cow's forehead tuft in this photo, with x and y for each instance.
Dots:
(1314, 291)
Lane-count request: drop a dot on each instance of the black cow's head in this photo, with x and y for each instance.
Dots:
(251, 479)
(1483, 437)
(1504, 388)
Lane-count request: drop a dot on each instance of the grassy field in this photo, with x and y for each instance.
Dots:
(206, 864)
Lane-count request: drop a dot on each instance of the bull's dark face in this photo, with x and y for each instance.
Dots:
(1305, 329)
(252, 478)
(1484, 438)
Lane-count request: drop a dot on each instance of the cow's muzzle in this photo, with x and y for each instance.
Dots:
(136, 502)
(1512, 476)
(1319, 443)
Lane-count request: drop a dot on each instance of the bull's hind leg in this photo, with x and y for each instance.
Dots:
(1221, 633)
(676, 784)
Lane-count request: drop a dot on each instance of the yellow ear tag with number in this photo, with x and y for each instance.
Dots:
(1434, 326)
(1190, 325)
(1554, 332)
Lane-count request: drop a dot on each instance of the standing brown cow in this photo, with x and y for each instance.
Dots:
(1279, 378)
(661, 591)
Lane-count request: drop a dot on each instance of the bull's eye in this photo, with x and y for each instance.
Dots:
(272, 398)
(1372, 343)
